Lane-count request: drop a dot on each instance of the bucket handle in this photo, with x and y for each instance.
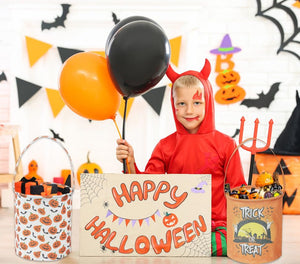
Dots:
(242, 143)
(34, 141)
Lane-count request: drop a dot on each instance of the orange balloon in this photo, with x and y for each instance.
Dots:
(86, 87)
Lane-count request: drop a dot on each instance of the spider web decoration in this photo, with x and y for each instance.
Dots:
(92, 185)
(285, 20)
(200, 246)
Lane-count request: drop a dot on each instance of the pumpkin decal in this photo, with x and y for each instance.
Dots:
(88, 167)
(230, 94)
(170, 220)
(227, 77)
(229, 91)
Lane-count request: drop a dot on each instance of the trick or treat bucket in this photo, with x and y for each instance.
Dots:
(43, 223)
(254, 224)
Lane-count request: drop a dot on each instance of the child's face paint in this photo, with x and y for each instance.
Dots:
(189, 107)
(197, 96)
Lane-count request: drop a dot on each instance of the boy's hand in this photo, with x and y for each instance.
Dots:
(124, 151)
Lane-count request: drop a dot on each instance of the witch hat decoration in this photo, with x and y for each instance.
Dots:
(226, 47)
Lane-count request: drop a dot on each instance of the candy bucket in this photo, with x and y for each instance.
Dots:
(254, 228)
(43, 223)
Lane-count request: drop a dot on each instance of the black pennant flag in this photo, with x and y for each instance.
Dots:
(285, 169)
(65, 53)
(155, 98)
(26, 90)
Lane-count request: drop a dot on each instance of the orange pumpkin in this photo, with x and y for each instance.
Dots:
(56, 244)
(37, 254)
(63, 236)
(33, 217)
(228, 77)
(23, 246)
(88, 167)
(52, 255)
(63, 224)
(37, 201)
(230, 94)
(52, 230)
(33, 243)
(46, 220)
(41, 211)
(26, 232)
(45, 247)
(57, 218)
(26, 206)
(37, 228)
(41, 238)
(170, 220)
(264, 179)
(53, 203)
(23, 220)
(62, 250)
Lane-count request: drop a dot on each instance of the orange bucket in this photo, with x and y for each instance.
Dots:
(254, 228)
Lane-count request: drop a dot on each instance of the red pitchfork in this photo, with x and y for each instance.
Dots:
(253, 149)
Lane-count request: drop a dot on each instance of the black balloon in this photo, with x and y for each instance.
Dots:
(122, 23)
(138, 56)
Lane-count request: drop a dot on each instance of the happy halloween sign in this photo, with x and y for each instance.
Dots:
(145, 215)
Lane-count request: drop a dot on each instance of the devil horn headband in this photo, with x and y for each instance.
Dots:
(204, 73)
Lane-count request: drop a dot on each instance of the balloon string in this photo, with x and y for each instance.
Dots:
(121, 137)
(123, 129)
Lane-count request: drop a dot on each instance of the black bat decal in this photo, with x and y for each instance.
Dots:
(237, 131)
(59, 20)
(115, 19)
(55, 135)
(263, 100)
(283, 11)
(289, 199)
(3, 77)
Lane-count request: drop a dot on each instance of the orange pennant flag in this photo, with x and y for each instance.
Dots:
(127, 221)
(175, 45)
(36, 49)
(55, 100)
(153, 217)
(141, 221)
(122, 106)
(114, 218)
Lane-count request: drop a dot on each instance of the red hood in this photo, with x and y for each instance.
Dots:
(208, 123)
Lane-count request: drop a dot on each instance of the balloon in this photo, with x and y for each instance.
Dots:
(138, 56)
(86, 87)
(122, 23)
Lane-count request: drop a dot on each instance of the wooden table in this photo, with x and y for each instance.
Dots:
(290, 247)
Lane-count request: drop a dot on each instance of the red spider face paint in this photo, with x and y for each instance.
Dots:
(197, 96)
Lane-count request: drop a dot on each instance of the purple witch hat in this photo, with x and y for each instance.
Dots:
(226, 47)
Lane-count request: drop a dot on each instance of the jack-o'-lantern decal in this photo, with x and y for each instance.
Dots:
(228, 77)
(170, 220)
(230, 94)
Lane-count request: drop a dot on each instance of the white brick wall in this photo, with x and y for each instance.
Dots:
(202, 25)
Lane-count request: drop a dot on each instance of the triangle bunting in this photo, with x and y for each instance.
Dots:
(55, 100)
(122, 106)
(26, 90)
(175, 45)
(285, 169)
(155, 97)
(36, 49)
(65, 53)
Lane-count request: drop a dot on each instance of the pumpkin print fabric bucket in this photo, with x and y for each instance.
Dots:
(254, 227)
(43, 223)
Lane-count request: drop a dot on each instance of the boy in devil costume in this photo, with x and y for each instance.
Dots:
(196, 147)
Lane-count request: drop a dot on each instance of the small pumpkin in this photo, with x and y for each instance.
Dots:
(52, 255)
(63, 224)
(264, 179)
(228, 77)
(37, 228)
(63, 236)
(62, 250)
(41, 238)
(56, 244)
(23, 220)
(63, 209)
(46, 220)
(37, 201)
(53, 203)
(230, 94)
(23, 246)
(33, 217)
(26, 232)
(57, 218)
(33, 243)
(170, 220)
(37, 254)
(26, 206)
(42, 211)
(45, 247)
(52, 230)
(88, 167)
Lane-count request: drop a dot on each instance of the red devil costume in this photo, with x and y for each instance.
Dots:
(206, 152)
